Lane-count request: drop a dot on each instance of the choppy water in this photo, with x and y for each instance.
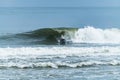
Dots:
(97, 62)
(92, 54)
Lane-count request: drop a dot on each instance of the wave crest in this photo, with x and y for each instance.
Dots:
(96, 35)
(74, 35)
(59, 64)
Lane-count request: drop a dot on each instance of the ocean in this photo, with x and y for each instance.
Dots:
(22, 19)
(90, 53)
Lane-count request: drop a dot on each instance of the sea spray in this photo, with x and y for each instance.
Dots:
(96, 35)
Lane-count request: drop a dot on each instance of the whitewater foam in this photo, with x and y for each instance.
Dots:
(72, 35)
(30, 51)
(70, 56)
(96, 35)
(59, 56)
(58, 64)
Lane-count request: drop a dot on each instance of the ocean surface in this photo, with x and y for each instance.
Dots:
(90, 53)
(22, 19)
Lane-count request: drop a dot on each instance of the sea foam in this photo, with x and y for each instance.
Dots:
(96, 35)
(41, 51)
(57, 57)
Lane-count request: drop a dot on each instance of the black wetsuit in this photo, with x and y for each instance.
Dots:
(62, 41)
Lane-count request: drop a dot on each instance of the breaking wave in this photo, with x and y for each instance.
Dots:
(59, 64)
(40, 36)
(72, 35)
(96, 35)
(59, 57)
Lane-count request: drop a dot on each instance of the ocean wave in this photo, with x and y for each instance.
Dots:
(96, 35)
(59, 57)
(40, 36)
(75, 35)
(60, 64)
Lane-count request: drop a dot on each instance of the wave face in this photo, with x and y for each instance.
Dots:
(40, 36)
(72, 35)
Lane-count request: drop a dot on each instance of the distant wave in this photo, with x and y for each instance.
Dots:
(75, 35)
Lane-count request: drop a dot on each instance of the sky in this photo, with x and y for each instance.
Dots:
(59, 3)
(16, 20)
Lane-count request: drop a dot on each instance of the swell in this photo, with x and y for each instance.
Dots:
(45, 35)
(40, 36)
(74, 35)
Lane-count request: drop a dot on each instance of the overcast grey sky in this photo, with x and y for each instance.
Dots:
(59, 3)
